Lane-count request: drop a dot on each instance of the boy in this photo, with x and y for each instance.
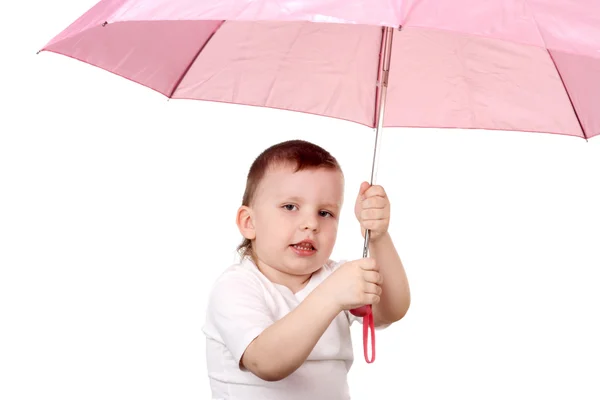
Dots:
(278, 325)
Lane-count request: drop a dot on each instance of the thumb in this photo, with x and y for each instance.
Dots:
(363, 188)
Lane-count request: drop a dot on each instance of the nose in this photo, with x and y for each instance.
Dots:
(310, 222)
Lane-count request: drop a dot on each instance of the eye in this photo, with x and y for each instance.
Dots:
(325, 214)
(289, 207)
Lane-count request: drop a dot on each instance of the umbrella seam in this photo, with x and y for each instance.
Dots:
(187, 69)
(282, 60)
(562, 81)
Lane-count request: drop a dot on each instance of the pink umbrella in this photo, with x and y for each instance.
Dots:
(510, 65)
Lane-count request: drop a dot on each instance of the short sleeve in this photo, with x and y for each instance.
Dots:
(238, 311)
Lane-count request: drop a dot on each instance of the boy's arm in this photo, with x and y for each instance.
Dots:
(395, 296)
(284, 346)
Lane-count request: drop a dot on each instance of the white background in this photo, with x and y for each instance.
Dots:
(117, 213)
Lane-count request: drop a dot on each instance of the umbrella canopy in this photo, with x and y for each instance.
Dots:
(500, 64)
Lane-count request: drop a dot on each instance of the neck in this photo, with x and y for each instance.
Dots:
(293, 282)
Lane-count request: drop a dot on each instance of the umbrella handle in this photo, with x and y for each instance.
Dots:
(366, 312)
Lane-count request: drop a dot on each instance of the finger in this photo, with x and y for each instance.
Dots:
(375, 190)
(374, 226)
(371, 288)
(374, 214)
(374, 202)
(371, 299)
(373, 277)
(368, 264)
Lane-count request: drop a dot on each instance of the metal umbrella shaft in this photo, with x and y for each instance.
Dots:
(384, 68)
(380, 111)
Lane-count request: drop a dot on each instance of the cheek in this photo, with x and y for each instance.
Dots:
(274, 225)
(331, 229)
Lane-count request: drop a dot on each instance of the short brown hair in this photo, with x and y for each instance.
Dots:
(297, 153)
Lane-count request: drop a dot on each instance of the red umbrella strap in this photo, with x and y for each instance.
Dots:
(369, 324)
(366, 312)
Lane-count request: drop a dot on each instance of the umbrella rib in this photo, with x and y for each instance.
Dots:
(562, 81)
(186, 70)
(379, 77)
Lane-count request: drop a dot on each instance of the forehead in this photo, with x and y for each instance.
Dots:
(319, 184)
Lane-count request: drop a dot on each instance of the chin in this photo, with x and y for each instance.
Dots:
(308, 266)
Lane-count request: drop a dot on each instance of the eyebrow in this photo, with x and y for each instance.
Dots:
(300, 199)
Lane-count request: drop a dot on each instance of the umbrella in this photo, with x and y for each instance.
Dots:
(511, 65)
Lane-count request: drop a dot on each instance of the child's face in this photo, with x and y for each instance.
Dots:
(295, 207)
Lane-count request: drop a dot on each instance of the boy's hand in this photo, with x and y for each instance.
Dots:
(354, 284)
(372, 209)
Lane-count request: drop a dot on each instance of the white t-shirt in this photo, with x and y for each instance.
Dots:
(242, 303)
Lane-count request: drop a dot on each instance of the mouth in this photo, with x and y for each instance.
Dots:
(305, 245)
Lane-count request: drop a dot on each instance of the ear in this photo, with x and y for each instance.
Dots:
(244, 222)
